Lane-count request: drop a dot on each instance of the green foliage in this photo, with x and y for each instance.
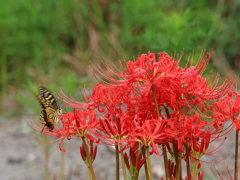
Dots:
(51, 42)
(174, 25)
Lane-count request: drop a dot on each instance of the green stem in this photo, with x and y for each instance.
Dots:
(195, 169)
(89, 173)
(89, 159)
(236, 157)
(136, 173)
(187, 162)
(145, 163)
(132, 176)
(123, 165)
(136, 176)
(175, 152)
(117, 162)
(165, 158)
(179, 166)
(149, 163)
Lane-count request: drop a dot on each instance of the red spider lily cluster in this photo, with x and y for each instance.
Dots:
(154, 104)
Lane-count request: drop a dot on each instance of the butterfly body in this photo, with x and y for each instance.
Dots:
(51, 111)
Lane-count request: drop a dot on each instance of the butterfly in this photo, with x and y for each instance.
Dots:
(51, 111)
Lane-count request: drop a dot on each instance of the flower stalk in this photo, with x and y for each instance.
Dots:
(123, 164)
(187, 161)
(149, 163)
(236, 156)
(195, 169)
(117, 162)
(89, 160)
(145, 163)
(179, 166)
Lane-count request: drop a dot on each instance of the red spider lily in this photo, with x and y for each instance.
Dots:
(93, 152)
(79, 123)
(82, 123)
(178, 89)
(136, 161)
(168, 79)
(110, 98)
(152, 133)
(61, 134)
(228, 109)
(185, 128)
(199, 145)
(197, 135)
(115, 129)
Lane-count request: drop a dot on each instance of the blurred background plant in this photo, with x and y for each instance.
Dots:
(52, 43)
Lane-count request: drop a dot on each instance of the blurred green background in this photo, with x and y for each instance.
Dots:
(52, 42)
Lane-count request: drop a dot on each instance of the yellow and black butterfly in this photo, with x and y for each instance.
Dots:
(50, 109)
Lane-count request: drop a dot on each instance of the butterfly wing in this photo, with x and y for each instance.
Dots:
(45, 122)
(47, 95)
(50, 110)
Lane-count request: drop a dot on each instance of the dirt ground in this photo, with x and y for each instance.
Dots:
(22, 157)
